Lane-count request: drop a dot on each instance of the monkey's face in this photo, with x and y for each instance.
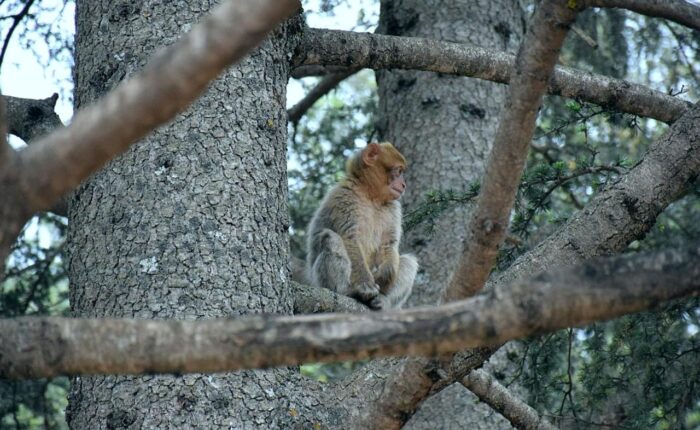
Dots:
(397, 184)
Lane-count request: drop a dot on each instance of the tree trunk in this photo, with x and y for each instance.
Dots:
(190, 223)
(444, 125)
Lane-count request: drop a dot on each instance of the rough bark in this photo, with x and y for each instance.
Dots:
(679, 11)
(534, 63)
(29, 119)
(518, 413)
(478, 60)
(444, 125)
(596, 290)
(189, 224)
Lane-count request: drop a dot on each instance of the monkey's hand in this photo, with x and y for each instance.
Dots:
(379, 303)
(364, 291)
(384, 276)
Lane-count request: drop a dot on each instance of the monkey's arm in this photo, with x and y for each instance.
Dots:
(388, 265)
(362, 283)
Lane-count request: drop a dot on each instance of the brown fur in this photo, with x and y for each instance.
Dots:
(353, 245)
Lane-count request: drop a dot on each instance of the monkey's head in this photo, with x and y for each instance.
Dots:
(379, 169)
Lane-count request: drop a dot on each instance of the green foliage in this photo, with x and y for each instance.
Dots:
(330, 131)
(436, 203)
(35, 284)
(328, 372)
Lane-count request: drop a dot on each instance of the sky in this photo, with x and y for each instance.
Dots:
(24, 75)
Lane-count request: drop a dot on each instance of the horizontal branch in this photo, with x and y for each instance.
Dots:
(374, 51)
(679, 11)
(601, 289)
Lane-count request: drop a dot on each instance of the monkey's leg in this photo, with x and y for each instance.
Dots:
(398, 293)
(331, 268)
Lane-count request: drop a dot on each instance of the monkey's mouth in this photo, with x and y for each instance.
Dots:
(396, 193)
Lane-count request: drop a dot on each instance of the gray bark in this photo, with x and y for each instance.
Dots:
(30, 118)
(444, 125)
(188, 224)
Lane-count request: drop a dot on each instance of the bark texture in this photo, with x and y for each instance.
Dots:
(30, 118)
(189, 224)
(518, 413)
(444, 125)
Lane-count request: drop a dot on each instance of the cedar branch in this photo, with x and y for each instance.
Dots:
(33, 347)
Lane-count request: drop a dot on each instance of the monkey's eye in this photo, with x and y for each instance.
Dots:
(396, 172)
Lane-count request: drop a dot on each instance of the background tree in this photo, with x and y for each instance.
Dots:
(151, 241)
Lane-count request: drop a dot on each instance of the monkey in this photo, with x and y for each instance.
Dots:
(353, 237)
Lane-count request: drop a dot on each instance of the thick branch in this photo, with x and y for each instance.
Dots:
(42, 347)
(538, 53)
(317, 70)
(311, 300)
(679, 11)
(344, 48)
(326, 84)
(626, 209)
(167, 85)
(32, 118)
(490, 391)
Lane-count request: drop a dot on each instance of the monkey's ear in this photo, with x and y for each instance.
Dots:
(371, 153)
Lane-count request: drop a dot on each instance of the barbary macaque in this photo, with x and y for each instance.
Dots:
(353, 238)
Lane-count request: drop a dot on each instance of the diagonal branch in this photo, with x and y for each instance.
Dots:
(165, 87)
(16, 19)
(326, 84)
(343, 48)
(54, 165)
(538, 53)
(490, 391)
(679, 11)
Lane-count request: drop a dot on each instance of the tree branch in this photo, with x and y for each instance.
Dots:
(602, 289)
(165, 87)
(326, 84)
(344, 48)
(29, 119)
(311, 300)
(534, 63)
(16, 19)
(490, 391)
(620, 213)
(317, 70)
(40, 174)
(679, 11)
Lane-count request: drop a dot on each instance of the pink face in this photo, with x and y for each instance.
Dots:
(397, 184)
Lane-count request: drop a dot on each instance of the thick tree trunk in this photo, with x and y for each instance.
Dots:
(445, 126)
(168, 228)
